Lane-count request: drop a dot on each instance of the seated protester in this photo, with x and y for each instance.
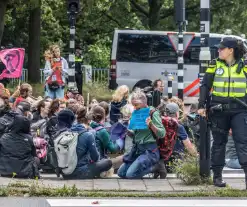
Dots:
(80, 100)
(4, 102)
(231, 154)
(25, 91)
(103, 141)
(17, 151)
(127, 111)
(54, 109)
(73, 107)
(42, 111)
(183, 142)
(40, 119)
(119, 99)
(71, 93)
(144, 156)
(106, 107)
(191, 124)
(24, 108)
(88, 166)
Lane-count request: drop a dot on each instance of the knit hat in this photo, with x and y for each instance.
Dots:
(66, 118)
(172, 108)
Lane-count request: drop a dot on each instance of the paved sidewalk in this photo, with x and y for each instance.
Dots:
(168, 185)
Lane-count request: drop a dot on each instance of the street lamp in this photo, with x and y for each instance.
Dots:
(73, 7)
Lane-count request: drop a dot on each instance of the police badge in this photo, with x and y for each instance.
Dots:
(219, 71)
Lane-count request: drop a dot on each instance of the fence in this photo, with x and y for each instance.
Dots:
(100, 75)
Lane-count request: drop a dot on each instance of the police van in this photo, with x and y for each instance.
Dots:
(139, 57)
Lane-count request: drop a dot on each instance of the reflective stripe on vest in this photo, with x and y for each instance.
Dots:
(78, 59)
(229, 83)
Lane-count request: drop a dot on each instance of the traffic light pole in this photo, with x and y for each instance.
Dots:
(71, 72)
(205, 57)
(179, 6)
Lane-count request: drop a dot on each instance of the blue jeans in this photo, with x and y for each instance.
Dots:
(53, 94)
(139, 168)
(233, 163)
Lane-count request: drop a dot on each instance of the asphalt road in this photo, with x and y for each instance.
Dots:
(176, 202)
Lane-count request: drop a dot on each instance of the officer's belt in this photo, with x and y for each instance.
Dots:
(232, 106)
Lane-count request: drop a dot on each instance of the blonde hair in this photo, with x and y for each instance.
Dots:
(121, 93)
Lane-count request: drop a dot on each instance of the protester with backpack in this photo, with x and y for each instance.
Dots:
(182, 142)
(103, 141)
(144, 156)
(76, 148)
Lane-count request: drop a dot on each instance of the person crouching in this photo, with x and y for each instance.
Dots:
(144, 156)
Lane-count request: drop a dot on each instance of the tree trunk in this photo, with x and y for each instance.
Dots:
(3, 6)
(34, 45)
(154, 14)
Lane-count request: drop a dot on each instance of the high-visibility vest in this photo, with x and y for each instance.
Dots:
(56, 76)
(77, 59)
(227, 82)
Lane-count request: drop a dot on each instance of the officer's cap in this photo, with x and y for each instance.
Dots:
(228, 42)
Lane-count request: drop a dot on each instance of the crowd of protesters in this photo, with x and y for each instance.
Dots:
(30, 127)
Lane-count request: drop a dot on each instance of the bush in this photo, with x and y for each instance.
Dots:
(187, 169)
(98, 91)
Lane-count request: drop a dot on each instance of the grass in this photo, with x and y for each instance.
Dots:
(36, 190)
(187, 169)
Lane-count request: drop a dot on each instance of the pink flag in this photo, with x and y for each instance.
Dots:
(13, 60)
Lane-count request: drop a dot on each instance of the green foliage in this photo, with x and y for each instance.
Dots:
(98, 54)
(187, 169)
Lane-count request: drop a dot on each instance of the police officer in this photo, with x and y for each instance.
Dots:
(78, 70)
(227, 77)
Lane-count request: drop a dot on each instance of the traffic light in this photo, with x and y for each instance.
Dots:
(73, 6)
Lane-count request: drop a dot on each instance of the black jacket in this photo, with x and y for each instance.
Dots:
(17, 151)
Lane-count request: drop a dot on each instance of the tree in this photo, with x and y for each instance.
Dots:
(3, 6)
(34, 42)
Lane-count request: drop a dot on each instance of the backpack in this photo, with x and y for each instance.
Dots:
(38, 129)
(167, 143)
(99, 144)
(41, 146)
(65, 147)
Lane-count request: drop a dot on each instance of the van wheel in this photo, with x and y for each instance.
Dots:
(142, 84)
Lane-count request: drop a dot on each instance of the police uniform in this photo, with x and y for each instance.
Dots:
(228, 88)
(78, 74)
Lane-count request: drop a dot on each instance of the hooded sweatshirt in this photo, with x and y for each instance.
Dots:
(86, 147)
(103, 141)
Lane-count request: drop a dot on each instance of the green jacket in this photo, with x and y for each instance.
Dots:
(103, 141)
(145, 136)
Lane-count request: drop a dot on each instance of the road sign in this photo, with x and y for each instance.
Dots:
(173, 37)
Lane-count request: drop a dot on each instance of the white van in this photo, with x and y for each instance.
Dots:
(139, 57)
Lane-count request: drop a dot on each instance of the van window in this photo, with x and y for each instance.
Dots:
(151, 48)
(191, 55)
(146, 48)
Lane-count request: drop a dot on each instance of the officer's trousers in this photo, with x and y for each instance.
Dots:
(79, 82)
(221, 122)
